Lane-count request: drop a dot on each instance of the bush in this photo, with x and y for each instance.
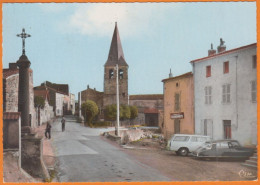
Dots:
(89, 110)
(101, 124)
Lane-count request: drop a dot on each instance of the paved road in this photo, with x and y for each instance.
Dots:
(84, 156)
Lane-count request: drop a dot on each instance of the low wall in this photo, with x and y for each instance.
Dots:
(32, 161)
(11, 134)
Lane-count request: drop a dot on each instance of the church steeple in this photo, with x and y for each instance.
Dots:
(116, 54)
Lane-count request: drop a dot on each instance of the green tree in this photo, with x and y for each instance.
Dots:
(39, 101)
(110, 112)
(125, 112)
(134, 112)
(89, 110)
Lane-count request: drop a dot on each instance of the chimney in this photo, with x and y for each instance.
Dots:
(88, 86)
(221, 47)
(170, 74)
(211, 51)
(13, 66)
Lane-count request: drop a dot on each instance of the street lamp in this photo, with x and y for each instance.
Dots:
(117, 102)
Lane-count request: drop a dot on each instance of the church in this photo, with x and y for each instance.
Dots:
(108, 97)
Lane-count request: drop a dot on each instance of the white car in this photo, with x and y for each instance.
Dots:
(182, 144)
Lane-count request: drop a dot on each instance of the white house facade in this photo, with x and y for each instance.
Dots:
(225, 103)
(59, 104)
(72, 103)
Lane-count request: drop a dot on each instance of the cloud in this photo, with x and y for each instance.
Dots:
(134, 19)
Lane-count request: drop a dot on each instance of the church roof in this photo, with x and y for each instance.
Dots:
(146, 97)
(116, 54)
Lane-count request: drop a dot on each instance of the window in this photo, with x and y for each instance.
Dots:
(227, 129)
(208, 95)
(226, 67)
(207, 127)
(121, 74)
(181, 138)
(226, 93)
(177, 102)
(177, 126)
(254, 62)
(208, 71)
(177, 84)
(253, 91)
(111, 73)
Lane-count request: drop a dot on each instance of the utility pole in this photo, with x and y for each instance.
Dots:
(117, 102)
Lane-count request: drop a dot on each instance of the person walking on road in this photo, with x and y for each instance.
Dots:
(48, 131)
(63, 124)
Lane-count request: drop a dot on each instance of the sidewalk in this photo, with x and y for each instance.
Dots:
(48, 151)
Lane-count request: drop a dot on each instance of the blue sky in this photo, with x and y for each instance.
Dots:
(70, 41)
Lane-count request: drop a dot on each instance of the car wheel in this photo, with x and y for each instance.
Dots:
(183, 151)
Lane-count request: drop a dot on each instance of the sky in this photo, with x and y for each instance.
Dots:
(69, 42)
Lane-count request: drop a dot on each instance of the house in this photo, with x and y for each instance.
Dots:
(178, 105)
(225, 94)
(45, 113)
(59, 97)
(150, 109)
(10, 91)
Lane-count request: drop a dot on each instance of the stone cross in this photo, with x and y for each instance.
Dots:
(23, 35)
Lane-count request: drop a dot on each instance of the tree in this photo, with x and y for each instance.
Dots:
(89, 110)
(125, 112)
(110, 112)
(39, 101)
(134, 112)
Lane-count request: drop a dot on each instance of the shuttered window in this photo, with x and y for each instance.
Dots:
(226, 98)
(208, 95)
(208, 71)
(253, 91)
(177, 102)
(226, 67)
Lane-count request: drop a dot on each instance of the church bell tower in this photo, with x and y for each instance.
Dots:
(115, 56)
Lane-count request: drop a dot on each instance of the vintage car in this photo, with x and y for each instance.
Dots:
(223, 149)
(183, 144)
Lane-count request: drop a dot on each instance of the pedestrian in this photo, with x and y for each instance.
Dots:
(63, 124)
(48, 131)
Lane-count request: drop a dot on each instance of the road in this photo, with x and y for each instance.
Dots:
(84, 156)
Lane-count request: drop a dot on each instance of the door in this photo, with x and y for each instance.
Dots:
(177, 126)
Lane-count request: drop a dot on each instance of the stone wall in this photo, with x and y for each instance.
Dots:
(11, 133)
(11, 93)
(32, 161)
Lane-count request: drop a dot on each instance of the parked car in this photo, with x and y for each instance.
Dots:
(223, 149)
(182, 144)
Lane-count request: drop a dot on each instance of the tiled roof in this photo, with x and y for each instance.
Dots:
(9, 72)
(42, 93)
(146, 97)
(151, 111)
(224, 53)
(11, 115)
(180, 76)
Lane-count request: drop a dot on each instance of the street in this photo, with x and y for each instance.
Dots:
(83, 156)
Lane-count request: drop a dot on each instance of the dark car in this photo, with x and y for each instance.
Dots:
(223, 149)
